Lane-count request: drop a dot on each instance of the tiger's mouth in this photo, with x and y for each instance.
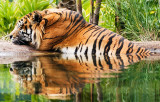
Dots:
(19, 41)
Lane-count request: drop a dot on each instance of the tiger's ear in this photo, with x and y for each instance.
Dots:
(37, 17)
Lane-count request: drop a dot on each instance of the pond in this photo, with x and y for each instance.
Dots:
(76, 78)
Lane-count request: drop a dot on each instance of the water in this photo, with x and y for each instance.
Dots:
(70, 78)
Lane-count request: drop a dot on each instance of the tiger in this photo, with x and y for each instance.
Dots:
(66, 31)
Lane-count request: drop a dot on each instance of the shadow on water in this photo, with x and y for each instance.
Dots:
(85, 78)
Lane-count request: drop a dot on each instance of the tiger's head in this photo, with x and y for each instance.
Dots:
(23, 33)
(31, 28)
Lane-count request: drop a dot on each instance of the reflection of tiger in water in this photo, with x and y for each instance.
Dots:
(67, 31)
(65, 75)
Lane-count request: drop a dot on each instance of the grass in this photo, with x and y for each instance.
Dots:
(140, 18)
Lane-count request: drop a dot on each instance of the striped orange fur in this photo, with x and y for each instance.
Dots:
(67, 32)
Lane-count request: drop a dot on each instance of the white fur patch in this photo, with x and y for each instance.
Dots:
(28, 31)
(68, 50)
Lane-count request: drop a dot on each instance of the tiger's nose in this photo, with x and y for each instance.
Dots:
(11, 36)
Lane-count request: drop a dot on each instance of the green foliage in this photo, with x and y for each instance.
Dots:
(86, 9)
(7, 16)
(106, 16)
(10, 12)
(140, 18)
(27, 6)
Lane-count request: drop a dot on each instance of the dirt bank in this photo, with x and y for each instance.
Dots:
(10, 53)
(6, 46)
(153, 46)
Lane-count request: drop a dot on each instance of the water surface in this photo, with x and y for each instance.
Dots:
(77, 78)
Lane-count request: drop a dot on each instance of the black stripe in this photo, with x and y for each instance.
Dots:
(27, 16)
(75, 31)
(81, 48)
(78, 21)
(88, 25)
(94, 47)
(70, 14)
(141, 51)
(65, 17)
(129, 44)
(80, 18)
(56, 21)
(139, 58)
(86, 51)
(86, 54)
(108, 44)
(90, 35)
(94, 60)
(46, 21)
(26, 29)
(129, 59)
(86, 57)
(76, 57)
(81, 58)
(138, 50)
(108, 62)
(76, 16)
(92, 27)
(95, 42)
(79, 44)
(70, 23)
(35, 36)
(100, 63)
(100, 41)
(121, 41)
(130, 49)
(145, 51)
(75, 52)
(30, 26)
(88, 38)
(78, 27)
(47, 38)
(121, 63)
(111, 33)
(96, 30)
